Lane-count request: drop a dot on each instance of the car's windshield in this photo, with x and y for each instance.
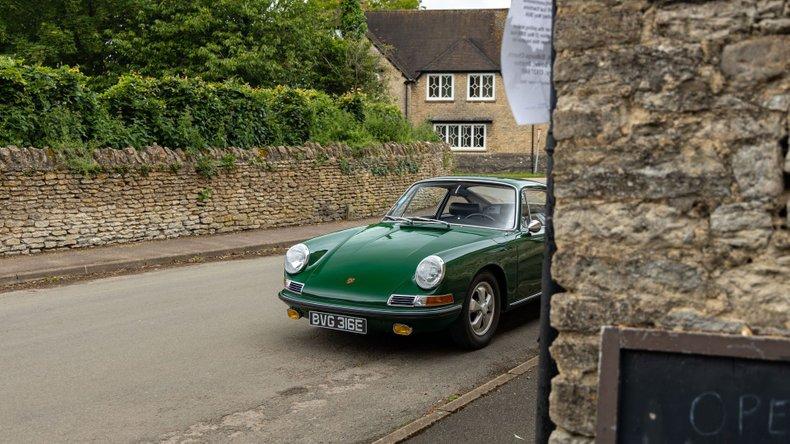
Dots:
(466, 203)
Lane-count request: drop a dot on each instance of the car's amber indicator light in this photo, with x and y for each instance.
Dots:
(402, 329)
(293, 314)
(445, 299)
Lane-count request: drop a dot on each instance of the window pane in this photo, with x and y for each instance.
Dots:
(474, 87)
(497, 203)
(424, 202)
(447, 86)
(453, 136)
(480, 136)
(536, 200)
(466, 136)
(441, 130)
(433, 86)
(487, 90)
(455, 199)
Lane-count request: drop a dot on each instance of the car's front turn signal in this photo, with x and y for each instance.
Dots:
(433, 301)
(293, 314)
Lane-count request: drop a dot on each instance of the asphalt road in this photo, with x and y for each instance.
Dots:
(206, 352)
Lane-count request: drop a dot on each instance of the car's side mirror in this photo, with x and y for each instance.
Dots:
(534, 226)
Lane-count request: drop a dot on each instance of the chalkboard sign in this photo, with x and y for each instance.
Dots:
(666, 387)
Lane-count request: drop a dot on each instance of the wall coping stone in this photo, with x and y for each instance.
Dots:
(13, 158)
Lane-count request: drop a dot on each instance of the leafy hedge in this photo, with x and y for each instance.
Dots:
(57, 108)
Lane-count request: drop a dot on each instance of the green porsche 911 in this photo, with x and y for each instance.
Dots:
(452, 253)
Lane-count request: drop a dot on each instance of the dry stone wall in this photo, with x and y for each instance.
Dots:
(156, 193)
(671, 177)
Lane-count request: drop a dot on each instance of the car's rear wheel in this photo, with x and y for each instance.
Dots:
(479, 318)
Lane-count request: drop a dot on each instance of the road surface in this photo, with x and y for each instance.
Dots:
(506, 415)
(206, 352)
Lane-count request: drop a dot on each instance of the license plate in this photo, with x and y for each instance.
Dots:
(339, 322)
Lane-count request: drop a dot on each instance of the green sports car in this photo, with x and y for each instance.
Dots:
(452, 253)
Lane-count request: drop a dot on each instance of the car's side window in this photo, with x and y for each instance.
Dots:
(533, 206)
(524, 209)
(537, 204)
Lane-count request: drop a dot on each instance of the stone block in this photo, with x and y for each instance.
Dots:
(562, 436)
(695, 22)
(652, 225)
(589, 24)
(758, 170)
(572, 404)
(741, 225)
(578, 313)
(758, 59)
(759, 294)
(576, 123)
(576, 354)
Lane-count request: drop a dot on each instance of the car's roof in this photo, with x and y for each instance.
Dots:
(503, 180)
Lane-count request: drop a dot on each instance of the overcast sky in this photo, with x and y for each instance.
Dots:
(465, 4)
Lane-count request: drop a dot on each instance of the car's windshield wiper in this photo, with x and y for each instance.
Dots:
(399, 219)
(434, 221)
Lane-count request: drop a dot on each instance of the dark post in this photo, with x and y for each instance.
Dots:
(547, 368)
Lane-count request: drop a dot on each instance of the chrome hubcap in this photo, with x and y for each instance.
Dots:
(481, 308)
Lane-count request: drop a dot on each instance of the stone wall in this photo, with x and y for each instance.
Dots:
(671, 178)
(157, 193)
(499, 162)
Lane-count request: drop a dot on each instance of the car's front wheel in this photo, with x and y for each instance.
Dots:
(479, 318)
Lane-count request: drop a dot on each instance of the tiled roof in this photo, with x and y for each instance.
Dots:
(439, 40)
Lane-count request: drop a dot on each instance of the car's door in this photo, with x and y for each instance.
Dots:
(530, 244)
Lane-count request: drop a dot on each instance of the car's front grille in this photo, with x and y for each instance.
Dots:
(296, 287)
(401, 300)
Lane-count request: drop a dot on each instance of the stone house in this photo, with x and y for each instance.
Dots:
(442, 67)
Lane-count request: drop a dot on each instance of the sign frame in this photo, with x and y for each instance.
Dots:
(614, 340)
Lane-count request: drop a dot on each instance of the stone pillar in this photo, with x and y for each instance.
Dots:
(671, 178)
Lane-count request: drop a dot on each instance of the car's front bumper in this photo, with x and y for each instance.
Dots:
(420, 319)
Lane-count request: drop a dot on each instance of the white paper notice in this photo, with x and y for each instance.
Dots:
(526, 60)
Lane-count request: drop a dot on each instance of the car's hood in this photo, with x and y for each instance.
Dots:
(378, 260)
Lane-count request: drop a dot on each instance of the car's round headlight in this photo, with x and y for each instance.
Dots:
(430, 272)
(296, 258)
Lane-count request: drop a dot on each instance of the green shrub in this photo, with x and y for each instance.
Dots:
(206, 166)
(45, 106)
(228, 162)
(332, 124)
(205, 194)
(57, 108)
(385, 122)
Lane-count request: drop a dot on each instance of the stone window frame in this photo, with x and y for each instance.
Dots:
(441, 79)
(481, 75)
(444, 132)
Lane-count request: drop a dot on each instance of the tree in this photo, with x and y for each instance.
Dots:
(371, 5)
(260, 42)
(63, 32)
(352, 20)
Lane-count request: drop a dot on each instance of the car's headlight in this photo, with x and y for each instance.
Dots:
(296, 258)
(430, 272)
